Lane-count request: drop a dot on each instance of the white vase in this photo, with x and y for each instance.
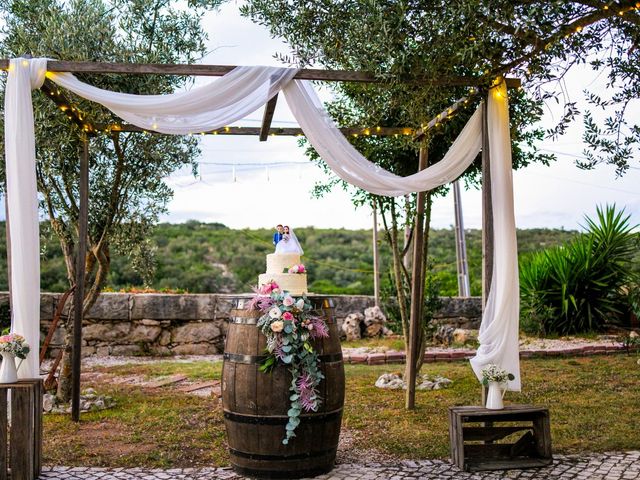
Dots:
(494, 397)
(8, 370)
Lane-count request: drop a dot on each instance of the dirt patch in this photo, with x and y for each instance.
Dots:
(109, 439)
(349, 452)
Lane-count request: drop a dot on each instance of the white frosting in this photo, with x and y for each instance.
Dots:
(294, 283)
(277, 262)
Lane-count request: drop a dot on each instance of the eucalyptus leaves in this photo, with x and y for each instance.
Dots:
(290, 325)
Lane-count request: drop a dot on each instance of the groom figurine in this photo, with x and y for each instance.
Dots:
(278, 235)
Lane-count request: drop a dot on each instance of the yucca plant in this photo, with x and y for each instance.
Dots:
(578, 287)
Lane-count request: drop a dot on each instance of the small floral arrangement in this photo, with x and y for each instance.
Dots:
(14, 344)
(493, 373)
(290, 325)
(300, 268)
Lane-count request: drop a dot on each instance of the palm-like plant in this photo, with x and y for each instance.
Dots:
(578, 287)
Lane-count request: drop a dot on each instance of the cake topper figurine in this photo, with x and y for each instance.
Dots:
(288, 242)
(278, 235)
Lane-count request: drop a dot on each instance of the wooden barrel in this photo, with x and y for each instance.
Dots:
(255, 404)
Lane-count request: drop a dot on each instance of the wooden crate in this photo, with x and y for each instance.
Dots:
(21, 443)
(473, 432)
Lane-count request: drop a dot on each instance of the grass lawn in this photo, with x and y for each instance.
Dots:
(594, 404)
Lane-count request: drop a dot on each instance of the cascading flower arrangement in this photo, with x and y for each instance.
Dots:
(290, 325)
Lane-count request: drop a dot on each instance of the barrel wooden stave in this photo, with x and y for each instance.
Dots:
(256, 405)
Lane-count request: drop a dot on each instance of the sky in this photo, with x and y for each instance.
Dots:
(241, 187)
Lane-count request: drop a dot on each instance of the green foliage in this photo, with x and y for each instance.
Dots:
(579, 287)
(209, 257)
(537, 41)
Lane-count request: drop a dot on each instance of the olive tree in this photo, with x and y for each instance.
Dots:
(127, 191)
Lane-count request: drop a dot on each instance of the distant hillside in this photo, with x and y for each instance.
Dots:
(201, 258)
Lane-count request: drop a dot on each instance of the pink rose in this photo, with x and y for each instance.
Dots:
(287, 316)
(301, 268)
(288, 300)
(267, 288)
(310, 326)
(277, 326)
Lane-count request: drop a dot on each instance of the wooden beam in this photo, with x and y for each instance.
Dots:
(417, 293)
(269, 109)
(78, 301)
(220, 70)
(255, 131)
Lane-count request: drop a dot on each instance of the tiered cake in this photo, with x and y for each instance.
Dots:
(277, 263)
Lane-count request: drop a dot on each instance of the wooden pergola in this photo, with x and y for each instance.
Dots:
(263, 132)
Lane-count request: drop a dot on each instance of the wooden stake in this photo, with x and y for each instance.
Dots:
(80, 273)
(417, 292)
(376, 257)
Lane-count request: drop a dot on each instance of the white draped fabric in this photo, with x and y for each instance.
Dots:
(224, 101)
(500, 320)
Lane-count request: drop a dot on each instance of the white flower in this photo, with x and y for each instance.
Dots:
(277, 326)
(300, 304)
(275, 312)
(287, 301)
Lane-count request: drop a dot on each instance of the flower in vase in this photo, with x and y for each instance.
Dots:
(287, 316)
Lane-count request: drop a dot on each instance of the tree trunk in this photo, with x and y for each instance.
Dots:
(64, 379)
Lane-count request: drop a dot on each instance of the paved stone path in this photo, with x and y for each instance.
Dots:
(609, 466)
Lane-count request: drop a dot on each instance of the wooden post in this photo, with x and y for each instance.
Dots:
(487, 210)
(376, 257)
(80, 273)
(487, 218)
(417, 292)
(8, 241)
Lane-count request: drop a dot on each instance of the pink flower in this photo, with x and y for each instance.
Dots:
(301, 268)
(288, 300)
(287, 316)
(268, 288)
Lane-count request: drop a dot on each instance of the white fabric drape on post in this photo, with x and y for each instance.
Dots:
(22, 204)
(231, 98)
(500, 320)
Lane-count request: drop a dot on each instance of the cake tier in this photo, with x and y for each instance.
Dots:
(294, 283)
(277, 262)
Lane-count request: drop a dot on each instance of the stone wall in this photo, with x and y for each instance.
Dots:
(190, 324)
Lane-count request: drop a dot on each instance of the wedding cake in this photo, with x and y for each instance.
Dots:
(278, 265)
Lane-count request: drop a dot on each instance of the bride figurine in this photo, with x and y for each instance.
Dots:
(289, 242)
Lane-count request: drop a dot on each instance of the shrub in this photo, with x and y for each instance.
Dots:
(578, 287)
